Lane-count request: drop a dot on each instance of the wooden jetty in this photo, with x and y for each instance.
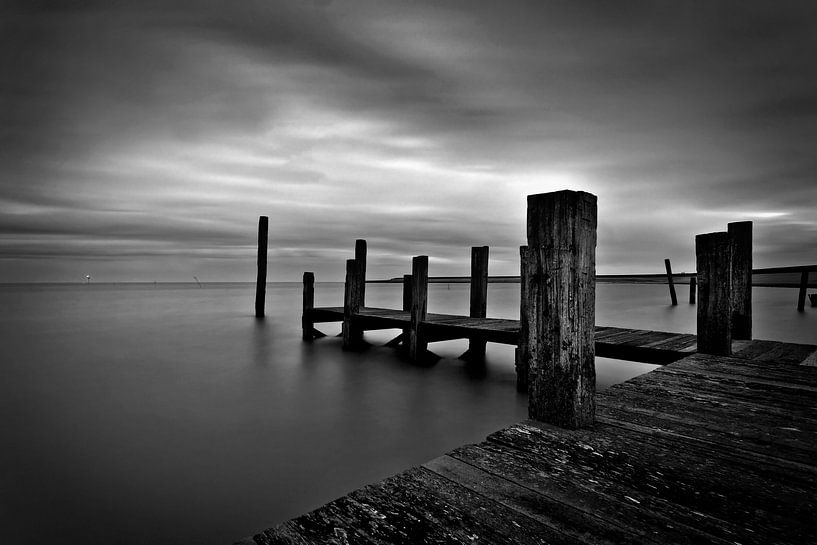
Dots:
(717, 446)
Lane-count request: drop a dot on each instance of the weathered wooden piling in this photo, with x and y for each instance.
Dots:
(813, 298)
(561, 307)
(402, 339)
(801, 296)
(673, 297)
(261, 281)
(419, 307)
(479, 298)
(693, 285)
(522, 354)
(352, 334)
(360, 257)
(714, 313)
(740, 234)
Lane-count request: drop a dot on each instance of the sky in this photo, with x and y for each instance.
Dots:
(141, 140)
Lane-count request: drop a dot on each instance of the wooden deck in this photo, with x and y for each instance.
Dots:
(611, 342)
(707, 449)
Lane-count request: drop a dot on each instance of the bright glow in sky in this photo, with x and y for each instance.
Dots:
(141, 140)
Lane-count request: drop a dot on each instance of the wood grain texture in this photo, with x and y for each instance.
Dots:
(714, 313)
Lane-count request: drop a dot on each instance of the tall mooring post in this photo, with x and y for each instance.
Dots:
(360, 257)
(693, 284)
(419, 307)
(740, 237)
(801, 295)
(673, 297)
(261, 281)
(561, 292)
(352, 334)
(714, 314)
(479, 298)
(307, 325)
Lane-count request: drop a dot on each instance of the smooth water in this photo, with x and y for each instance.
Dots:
(168, 414)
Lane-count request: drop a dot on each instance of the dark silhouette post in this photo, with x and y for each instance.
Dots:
(419, 306)
(740, 234)
(522, 355)
(693, 284)
(479, 298)
(714, 323)
(561, 288)
(352, 334)
(360, 257)
(261, 282)
(672, 296)
(801, 296)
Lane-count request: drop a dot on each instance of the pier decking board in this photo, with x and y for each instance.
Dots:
(707, 449)
(612, 342)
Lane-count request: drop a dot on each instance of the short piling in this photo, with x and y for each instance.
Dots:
(479, 298)
(352, 334)
(673, 297)
(714, 314)
(740, 234)
(419, 307)
(561, 307)
(261, 281)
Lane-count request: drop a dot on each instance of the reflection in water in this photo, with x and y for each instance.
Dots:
(166, 414)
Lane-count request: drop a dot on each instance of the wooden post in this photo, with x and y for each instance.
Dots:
(522, 355)
(479, 297)
(419, 306)
(693, 283)
(801, 297)
(713, 255)
(261, 281)
(352, 335)
(307, 325)
(407, 292)
(740, 235)
(360, 257)
(561, 290)
(672, 295)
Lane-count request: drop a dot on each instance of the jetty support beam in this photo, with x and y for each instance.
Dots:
(417, 345)
(402, 338)
(673, 297)
(740, 234)
(261, 280)
(561, 290)
(693, 286)
(714, 313)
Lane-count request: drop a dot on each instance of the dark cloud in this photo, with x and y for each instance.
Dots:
(154, 127)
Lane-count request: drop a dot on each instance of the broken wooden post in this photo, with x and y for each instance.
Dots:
(419, 306)
(561, 294)
(801, 297)
(360, 257)
(740, 234)
(522, 355)
(352, 334)
(714, 314)
(672, 295)
(261, 281)
(693, 283)
(479, 298)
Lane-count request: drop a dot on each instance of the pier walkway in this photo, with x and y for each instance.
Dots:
(611, 342)
(708, 449)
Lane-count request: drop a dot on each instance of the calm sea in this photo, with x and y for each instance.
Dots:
(167, 414)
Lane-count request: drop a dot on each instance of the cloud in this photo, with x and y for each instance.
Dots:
(144, 129)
